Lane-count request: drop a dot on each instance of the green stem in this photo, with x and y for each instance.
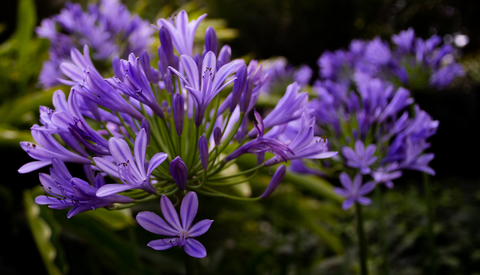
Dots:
(430, 219)
(361, 240)
(383, 231)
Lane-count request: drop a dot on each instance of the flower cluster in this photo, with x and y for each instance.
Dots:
(413, 62)
(150, 132)
(108, 28)
(376, 128)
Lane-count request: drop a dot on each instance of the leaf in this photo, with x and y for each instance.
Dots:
(13, 111)
(25, 26)
(115, 220)
(41, 232)
(314, 184)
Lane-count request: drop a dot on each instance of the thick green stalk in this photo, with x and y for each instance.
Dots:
(361, 240)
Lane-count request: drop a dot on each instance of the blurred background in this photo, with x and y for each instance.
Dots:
(298, 230)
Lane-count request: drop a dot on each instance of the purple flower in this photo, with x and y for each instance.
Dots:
(361, 158)
(181, 234)
(210, 41)
(354, 192)
(289, 108)
(134, 173)
(305, 145)
(63, 191)
(182, 31)
(387, 174)
(404, 40)
(205, 88)
(378, 52)
(46, 150)
(261, 144)
(179, 173)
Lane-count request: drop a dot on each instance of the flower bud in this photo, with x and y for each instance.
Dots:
(217, 135)
(238, 86)
(167, 46)
(275, 181)
(178, 112)
(203, 148)
(179, 173)
(211, 41)
(145, 63)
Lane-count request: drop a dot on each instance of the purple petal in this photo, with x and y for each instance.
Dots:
(32, 166)
(346, 181)
(191, 70)
(359, 148)
(120, 150)
(106, 166)
(155, 224)
(199, 228)
(348, 203)
(162, 244)
(367, 188)
(188, 209)
(342, 192)
(357, 182)
(169, 213)
(195, 249)
(155, 161)
(139, 150)
(110, 189)
(364, 200)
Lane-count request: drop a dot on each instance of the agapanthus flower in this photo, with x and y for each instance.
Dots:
(181, 234)
(376, 127)
(63, 191)
(155, 130)
(354, 191)
(413, 62)
(107, 27)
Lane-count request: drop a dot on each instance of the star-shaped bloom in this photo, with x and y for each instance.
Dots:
(361, 158)
(354, 192)
(131, 172)
(181, 235)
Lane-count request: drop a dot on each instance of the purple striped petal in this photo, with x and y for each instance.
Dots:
(110, 189)
(120, 150)
(169, 213)
(162, 244)
(194, 248)
(155, 161)
(188, 209)
(191, 70)
(106, 166)
(139, 150)
(34, 165)
(348, 203)
(199, 228)
(155, 224)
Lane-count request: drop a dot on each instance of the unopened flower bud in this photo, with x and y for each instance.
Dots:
(179, 173)
(203, 148)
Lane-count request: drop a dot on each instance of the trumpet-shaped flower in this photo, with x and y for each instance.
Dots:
(64, 191)
(133, 172)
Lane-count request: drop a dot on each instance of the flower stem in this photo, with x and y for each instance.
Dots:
(361, 240)
(383, 231)
(430, 219)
